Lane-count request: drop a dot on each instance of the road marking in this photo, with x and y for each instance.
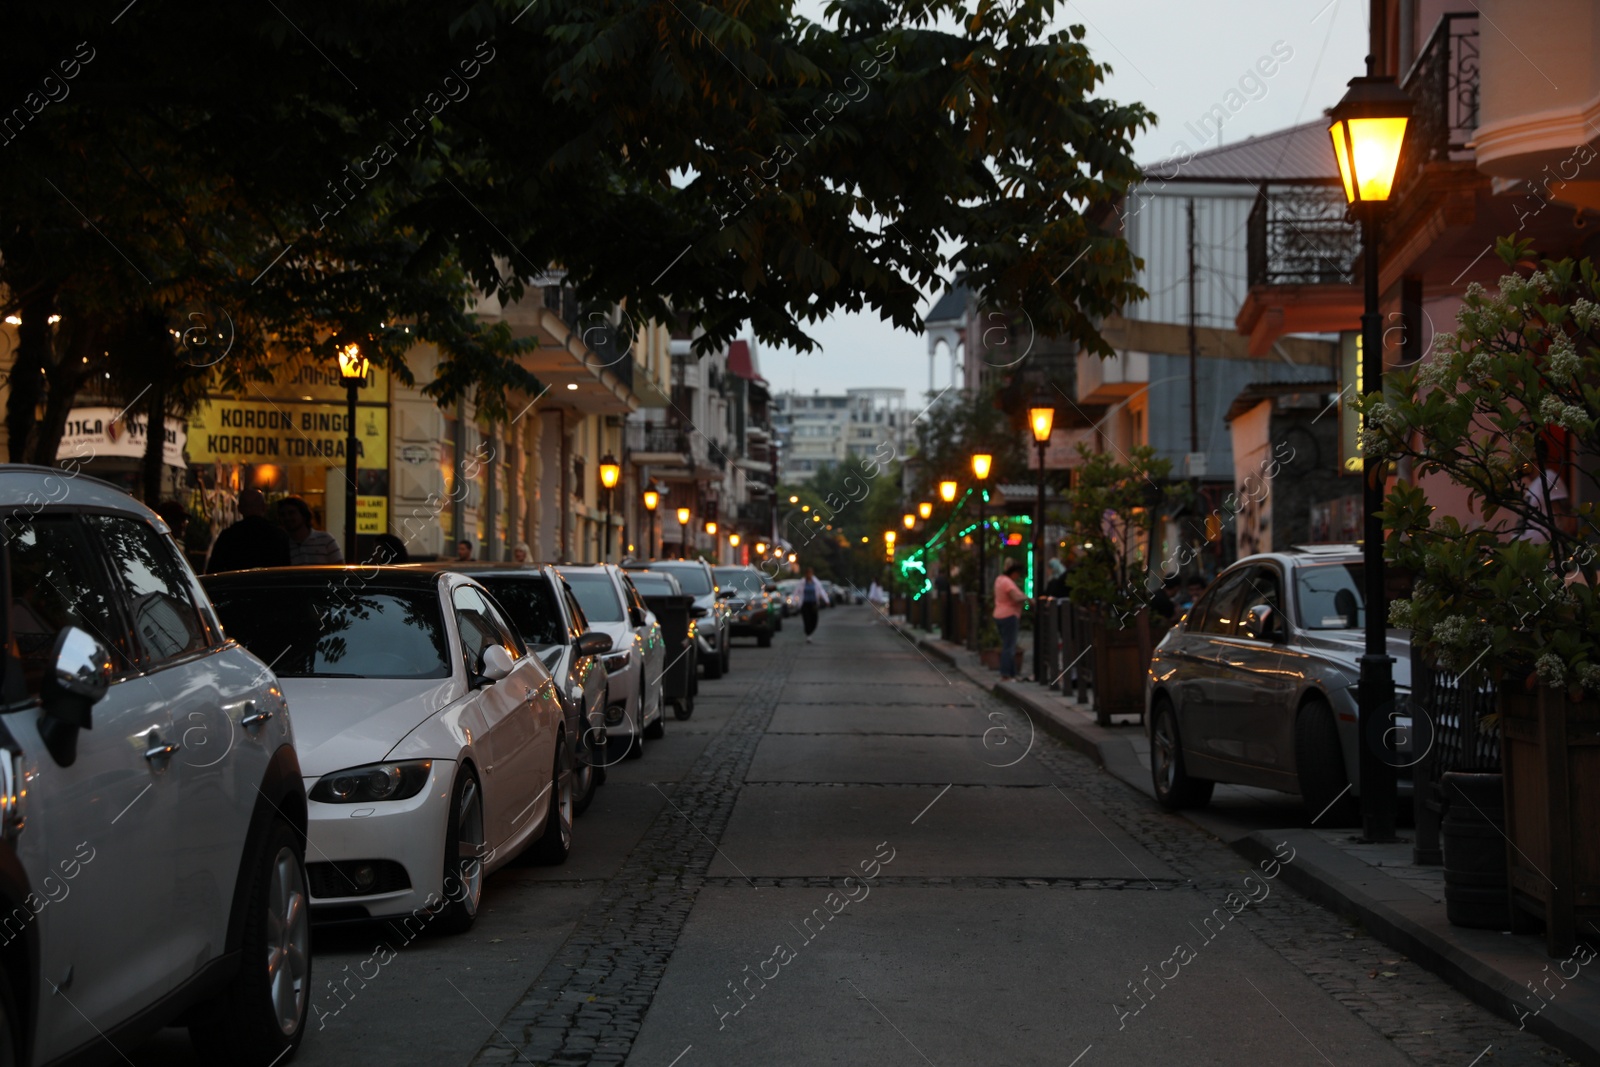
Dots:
(931, 803)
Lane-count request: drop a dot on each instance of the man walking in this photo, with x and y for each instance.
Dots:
(813, 594)
(1008, 602)
(307, 546)
(253, 541)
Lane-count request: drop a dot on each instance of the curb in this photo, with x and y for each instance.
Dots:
(1395, 914)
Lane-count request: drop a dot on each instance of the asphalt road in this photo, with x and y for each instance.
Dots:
(850, 856)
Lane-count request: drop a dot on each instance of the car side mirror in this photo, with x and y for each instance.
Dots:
(727, 594)
(593, 643)
(699, 612)
(497, 663)
(79, 675)
(770, 588)
(1265, 623)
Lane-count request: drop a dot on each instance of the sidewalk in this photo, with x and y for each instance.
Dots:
(1397, 902)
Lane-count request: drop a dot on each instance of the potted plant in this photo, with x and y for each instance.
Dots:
(1500, 409)
(1107, 502)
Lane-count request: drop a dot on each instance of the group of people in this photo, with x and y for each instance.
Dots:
(1167, 605)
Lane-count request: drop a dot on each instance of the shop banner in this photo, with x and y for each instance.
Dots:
(95, 433)
(286, 432)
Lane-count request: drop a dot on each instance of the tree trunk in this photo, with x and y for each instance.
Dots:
(26, 381)
(155, 439)
(64, 376)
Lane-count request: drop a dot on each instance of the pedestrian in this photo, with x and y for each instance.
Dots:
(463, 551)
(1197, 587)
(387, 548)
(307, 546)
(176, 516)
(813, 594)
(521, 553)
(1164, 606)
(253, 541)
(1008, 603)
(1057, 585)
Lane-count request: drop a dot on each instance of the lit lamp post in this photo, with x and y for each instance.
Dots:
(1041, 418)
(925, 511)
(609, 473)
(947, 493)
(981, 462)
(683, 533)
(652, 500)
(353, 372)
(711, 531)
(1368, 129)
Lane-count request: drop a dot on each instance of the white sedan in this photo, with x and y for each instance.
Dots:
(431, 743)
(636, 663)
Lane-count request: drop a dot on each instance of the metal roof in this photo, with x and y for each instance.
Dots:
(1298, 154)
(952, 306)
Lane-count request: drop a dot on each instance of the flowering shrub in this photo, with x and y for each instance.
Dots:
(1514, 392)
(1103, 525)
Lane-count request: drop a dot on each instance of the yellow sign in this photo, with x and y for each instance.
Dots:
(372, 514)
(318, 382)
(286, 432)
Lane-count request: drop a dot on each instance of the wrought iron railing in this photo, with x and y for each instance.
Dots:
(1299, 235)
(1443, 83)
(657, 439)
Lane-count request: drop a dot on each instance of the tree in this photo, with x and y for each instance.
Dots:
(322, 173)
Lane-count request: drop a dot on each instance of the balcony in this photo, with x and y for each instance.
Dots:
(658, 445)
(1300, 235)
(1443, 84)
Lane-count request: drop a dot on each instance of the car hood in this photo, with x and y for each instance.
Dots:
(1346, 647)
(621, 634)
(345, 722)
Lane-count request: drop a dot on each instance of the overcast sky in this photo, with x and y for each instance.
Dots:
(1177, 57)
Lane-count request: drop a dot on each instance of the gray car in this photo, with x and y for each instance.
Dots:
(1257, 685)
(152, 811)
(713, 617)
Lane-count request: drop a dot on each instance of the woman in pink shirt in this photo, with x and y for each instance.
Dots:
(1008, 603)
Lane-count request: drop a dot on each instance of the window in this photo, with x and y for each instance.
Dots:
(1329, 596)
(598, 596)
(1218, 611)
(56, 582)
(531, 605)
(580, 621)
(1261, 590)
(166, 623)
(480, 626)
(319, 630)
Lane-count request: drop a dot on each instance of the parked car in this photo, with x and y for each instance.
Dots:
(789, 589)
(433, 744)
(756, 610)
(539, 603)
(152, 819)
(638, 654)
(1257, 684)
(712, 630)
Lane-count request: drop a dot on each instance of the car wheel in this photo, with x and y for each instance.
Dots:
(465, 845)
(585, 775)
(1175, 789)
(260, 1016)
(1319, 764)
(555, 844)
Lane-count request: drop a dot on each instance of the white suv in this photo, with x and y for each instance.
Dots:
(152, 818)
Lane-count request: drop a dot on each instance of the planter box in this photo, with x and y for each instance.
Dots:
(990, 657)
(1550, 748)
(1121, 661)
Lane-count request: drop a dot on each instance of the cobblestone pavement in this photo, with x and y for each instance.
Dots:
(594, 998)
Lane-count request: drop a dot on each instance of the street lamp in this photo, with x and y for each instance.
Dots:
(1041, 419)
(947, 491)
(925, 510)
(353, 372)
(761, 548)
(733, 539)
(651, 500)
(910, 520)
(1368, 129)
(683, 533)
(610, 471)
(981, 462)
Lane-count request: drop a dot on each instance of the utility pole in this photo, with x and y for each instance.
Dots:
(1194, 368)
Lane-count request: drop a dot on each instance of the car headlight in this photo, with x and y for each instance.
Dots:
(378, 781)
(617, 662)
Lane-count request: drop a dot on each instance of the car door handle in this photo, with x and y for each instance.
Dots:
(159, 749)
(253, 717)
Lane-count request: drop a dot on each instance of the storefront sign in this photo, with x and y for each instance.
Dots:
(286, 432)
(94, 433)
(372, 514)
(319, 382)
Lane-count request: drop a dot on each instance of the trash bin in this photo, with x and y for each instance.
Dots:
(678, 683)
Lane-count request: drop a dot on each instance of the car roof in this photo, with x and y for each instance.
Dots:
(398, 576)
(585, 568)
(20, 481)
(473, 566)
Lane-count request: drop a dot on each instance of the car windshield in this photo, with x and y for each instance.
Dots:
(531, 605)
(597, 594)
(327, 631)
(691, 578)
(739, 578)
(1328, 597)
